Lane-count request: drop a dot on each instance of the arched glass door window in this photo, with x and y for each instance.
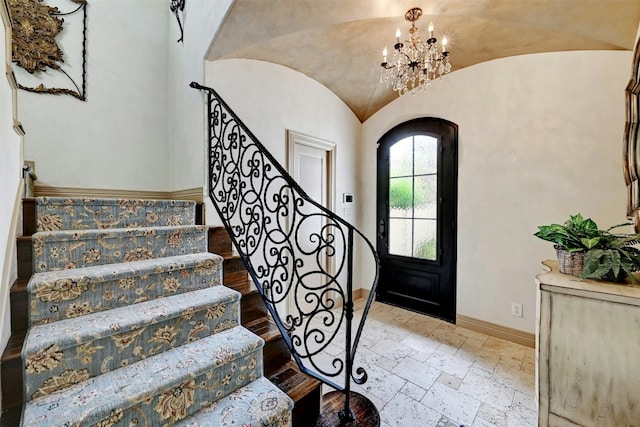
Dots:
(413, 197)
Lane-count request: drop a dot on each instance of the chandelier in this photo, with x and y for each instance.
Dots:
(415, 63)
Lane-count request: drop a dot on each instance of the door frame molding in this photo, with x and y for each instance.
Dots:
(294, 138)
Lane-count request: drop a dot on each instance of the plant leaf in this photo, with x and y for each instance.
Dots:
(590, 243)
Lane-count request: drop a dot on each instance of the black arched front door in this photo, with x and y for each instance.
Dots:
(416, 216)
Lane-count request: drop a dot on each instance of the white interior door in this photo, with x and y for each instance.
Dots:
(311, 165)
(310, 171)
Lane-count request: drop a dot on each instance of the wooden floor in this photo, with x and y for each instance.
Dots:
(363, 411)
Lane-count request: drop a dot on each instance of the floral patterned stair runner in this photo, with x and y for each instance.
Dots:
(58, 213)
(67, 249)
(130, 327)
(256, 404)
(62, 353)
(158, 390)
(63, 294)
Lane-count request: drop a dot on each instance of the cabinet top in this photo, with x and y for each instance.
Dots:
(554, 281)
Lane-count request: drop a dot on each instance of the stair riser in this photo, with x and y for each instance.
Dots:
(89, 249)
(56, 299)
(252, 307)
(307, 409)
(219, 241)
(54, 213)
(25, 257)
(11, 371)
(19, 310)
(28, 217)
(61, 368)
(234, 265)
(275, 354)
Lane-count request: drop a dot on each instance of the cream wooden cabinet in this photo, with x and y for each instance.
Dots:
(588, 352)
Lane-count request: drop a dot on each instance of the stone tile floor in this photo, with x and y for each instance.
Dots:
(426, 372)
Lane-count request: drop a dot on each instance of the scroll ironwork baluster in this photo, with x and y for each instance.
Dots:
(283, 236)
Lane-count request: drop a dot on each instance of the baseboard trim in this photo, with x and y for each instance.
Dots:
(52, 191)
(514, 335)
(361, 293)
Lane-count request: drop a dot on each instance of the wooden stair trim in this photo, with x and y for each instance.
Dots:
(265, 328)
(11, 417)
(19, 301)
(11, 372)
(294, 382)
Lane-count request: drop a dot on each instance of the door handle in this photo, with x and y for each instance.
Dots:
(381, 230)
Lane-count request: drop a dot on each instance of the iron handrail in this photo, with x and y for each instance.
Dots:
(284, 239)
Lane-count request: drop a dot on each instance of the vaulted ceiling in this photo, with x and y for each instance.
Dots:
(339, 42)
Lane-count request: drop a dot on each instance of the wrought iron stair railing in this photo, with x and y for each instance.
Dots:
(299, 254)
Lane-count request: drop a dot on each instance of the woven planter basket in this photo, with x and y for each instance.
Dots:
(570, 262)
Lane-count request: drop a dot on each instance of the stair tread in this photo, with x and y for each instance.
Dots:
(62, 235)
(13, 347)
(20, 285)
(294, 382)
(127, 318)
(244, 286)
(54, 293)
(257, 403)
(115, 271)
(264, 327)
(94, 399)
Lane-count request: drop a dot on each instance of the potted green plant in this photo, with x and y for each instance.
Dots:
(586, 251)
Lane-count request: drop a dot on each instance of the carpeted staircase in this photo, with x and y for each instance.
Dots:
(130, 323)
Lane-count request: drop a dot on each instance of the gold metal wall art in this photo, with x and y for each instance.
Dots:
(36, 47)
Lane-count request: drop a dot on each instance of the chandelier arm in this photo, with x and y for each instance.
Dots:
(415, 62)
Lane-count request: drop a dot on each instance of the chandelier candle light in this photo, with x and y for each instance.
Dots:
(415, 63)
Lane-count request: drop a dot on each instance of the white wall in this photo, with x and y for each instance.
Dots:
(270, 99)
(117, 139)
(202, 19)
(10, 185)
(539, 139)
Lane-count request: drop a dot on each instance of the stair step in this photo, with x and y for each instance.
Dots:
(304, 390)
(11, 372)
(158, 390)
(63, 353)
(24, 245)
(55, 295)
(252, 306)
(237, 277)
(60, 213)
(275, 352)
(60, 250)
(11, 417)
(28, 216)
(19, 305)
(233, 266)
(219, 240)
(259, 403)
